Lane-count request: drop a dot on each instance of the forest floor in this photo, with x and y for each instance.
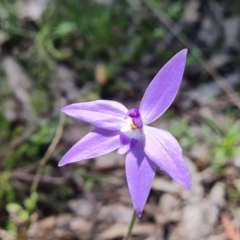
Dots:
(54, 53)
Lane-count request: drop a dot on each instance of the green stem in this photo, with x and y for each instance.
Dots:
(129, 232)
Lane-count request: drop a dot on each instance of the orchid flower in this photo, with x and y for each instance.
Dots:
(145, 147)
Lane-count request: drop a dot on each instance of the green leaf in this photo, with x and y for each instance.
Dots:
(31, 201)
(65, 29)
(13, 207)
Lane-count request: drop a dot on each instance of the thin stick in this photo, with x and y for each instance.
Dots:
(48, 153)
(129, 232)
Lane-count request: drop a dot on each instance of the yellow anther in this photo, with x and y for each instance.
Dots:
(133, 126)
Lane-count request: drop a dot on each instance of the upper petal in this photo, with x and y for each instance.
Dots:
(94, 144)
(140, 172)
(163, 88)
(163, 149)
(101, 113)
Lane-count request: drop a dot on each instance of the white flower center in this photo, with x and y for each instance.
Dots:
(130, 130)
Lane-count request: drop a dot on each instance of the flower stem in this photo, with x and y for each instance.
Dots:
(129, 232)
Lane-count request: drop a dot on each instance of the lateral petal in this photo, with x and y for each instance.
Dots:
(100, 113)
(163, 88)
(94, 144)
(163, 149)
(140, 172)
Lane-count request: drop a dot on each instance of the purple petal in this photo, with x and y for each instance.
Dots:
(140, 172)
(124, 148)
(124, 144)
(163, 149)
(101, 113)
(163, 88)
(96, 143)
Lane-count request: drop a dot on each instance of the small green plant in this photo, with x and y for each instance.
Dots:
(20, 215)
(224, 142)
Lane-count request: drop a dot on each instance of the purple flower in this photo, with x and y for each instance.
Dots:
(126, 130)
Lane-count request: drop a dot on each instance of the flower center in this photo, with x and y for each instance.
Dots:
(135, 115)
(133, 124)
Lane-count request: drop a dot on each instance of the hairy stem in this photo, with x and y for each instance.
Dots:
(129, 232)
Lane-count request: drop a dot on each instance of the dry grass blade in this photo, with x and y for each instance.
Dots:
(48, 153)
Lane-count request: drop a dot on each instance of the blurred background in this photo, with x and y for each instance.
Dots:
(57, 52)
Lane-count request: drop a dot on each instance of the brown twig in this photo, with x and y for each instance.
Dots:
(23, 176)
(48, 153)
